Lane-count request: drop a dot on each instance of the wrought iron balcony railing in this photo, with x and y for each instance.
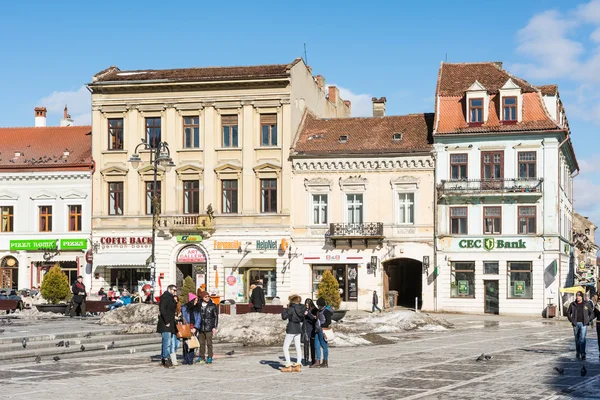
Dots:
(527, 185)
(362, 230)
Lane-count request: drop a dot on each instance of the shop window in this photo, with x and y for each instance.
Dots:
(491, 267)
(319, 208)
(191, 197)
(458, 220)
(115, 134)
(462, 283)
(131, 278)
(346, 276)
(75, 218)
(7, 219)
(492, 220)
(317, 275)
(45, 214)
(519, 280)
(191, 132)
(115, 198)
(268, 277)
(151, 200)
(354, 204)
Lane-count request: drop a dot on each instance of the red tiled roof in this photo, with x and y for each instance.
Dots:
(548, 90)
(365, 135)
(46, 148)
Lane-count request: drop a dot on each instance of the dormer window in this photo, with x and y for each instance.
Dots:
(344, 139)
(396, 137)
(476, 110)
(509, 108)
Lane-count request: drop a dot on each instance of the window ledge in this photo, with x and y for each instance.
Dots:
(189, 150)
(228, 148)
(268, 148)
(114, 151)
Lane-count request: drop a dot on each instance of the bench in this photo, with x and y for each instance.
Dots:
(10, 305)
(96, 306)
(245, 309)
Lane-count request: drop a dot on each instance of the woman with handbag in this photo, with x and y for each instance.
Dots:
(308, 332)
(323, 323)
(191, 315)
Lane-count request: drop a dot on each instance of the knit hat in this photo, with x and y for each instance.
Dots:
(202, 294)
(321, 302)
(192, 296)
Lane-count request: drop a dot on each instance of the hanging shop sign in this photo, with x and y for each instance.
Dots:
(332, 259)
(490, 244)
(233, 245)
(191, 254)
(189, 238)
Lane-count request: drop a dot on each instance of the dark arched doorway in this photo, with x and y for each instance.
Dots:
(9, 273)
(405, 276)
(191, 261)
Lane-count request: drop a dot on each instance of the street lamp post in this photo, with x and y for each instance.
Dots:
(159, 155)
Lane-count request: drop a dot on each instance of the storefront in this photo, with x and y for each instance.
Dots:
(191, 262)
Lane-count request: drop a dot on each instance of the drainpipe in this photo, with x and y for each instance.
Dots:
(568, 136)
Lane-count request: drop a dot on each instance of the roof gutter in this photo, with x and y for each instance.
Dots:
(174, 82)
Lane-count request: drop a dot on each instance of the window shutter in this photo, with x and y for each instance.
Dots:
(229, 119)
(268, 119)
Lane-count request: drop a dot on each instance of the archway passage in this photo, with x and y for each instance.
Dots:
(405, 276)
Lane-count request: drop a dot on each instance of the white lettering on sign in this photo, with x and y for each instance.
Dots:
(191, 254)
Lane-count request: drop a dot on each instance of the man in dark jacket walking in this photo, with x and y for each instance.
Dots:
(375, 302)
(208, 327)
(580, 313)
(79, 296)
(257, 298)
(166, 323)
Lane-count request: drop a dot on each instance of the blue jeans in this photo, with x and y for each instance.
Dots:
(174, 343)
(580, 330)
(375, 306)
(116, 304)
(321, 342)
(166, 345)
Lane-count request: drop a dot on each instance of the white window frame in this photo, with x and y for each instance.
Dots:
(319, 205)
(399, 208)
(405, 185)
(347, 204)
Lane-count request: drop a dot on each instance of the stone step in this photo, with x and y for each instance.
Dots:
(76, 341)
(16, 337)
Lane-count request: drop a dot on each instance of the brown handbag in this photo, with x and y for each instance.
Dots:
(184, 331)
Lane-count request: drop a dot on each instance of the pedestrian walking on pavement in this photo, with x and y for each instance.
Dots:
(308, 332)
(257, 298)
(166, 324)
(190, 313)
(208, 327)
(580, 315)
(294, 313)
(79, 296)
(323, 321)
(375, 302)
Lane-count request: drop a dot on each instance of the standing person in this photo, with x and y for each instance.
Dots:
(208, 327)
(166, 323)
(375, 302)
(257, 298)
(580, 314)
(323, 321)
(294, 313)
(190, 313)
(79, 295)
(308, 332)
(174, 338)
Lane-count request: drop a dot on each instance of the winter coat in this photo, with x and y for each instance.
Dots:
(79, 294)
(295, 317)
(375, 299)
(310, 319)
(191, 314)
(3, 297)
(167, 308)
(257, 298)
(324, 319)
(125, 300)
(209, 316)
(597, 311)
(588, 312)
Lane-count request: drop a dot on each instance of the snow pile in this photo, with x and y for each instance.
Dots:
(34, 313)
(347, 340)
(139, 313)
(253, 329)
(139, 328)
(391, 322)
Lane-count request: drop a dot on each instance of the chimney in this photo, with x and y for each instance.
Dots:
(333, 94)
(320, 81)
(66, 121)
(40, 117)
(379, 106)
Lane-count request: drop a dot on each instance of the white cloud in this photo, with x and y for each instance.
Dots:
(79, 104)
(361, 103)
(586, 189)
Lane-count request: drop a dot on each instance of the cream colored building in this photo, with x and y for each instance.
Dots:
(229, 131)
(363, 207)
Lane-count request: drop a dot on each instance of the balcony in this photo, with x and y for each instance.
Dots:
(186, 223)
(490, 187)
(363, 233)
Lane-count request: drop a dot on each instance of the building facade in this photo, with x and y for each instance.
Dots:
(225, 207)
(504, 175)
(585, 270)
(45, 201)
(363, 207)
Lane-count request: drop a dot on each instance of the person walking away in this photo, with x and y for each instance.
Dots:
(375, 302)
(308, 332)
(209, 316)
(580, 314)
(166, 323)
(323, 321)
(294, 313)
(257, 298)
(124, 300)
(190, 313)
(79, 296)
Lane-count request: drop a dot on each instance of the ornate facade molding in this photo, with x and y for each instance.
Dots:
(353, 183)
(406, 180)
(362, 165)
(318, 184)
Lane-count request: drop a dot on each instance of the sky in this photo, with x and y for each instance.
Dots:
(49, 50)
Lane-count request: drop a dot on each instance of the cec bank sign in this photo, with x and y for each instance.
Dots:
(490, 244)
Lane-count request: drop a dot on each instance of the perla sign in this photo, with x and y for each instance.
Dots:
(490, 244)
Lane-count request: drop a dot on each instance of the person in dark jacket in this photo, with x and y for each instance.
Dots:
(102, 294)
(294, 314)
(580, 314)
(375, 302)
(166, 323)
(190, 313)
(79, 296)
(323, 321)
(257, 298)
(208, 327)
(308, 332)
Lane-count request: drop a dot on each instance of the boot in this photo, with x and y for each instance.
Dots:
(174, 359)
(168, 363)
(287, 368)
(317, 364)
(324, 364)
(297, 367)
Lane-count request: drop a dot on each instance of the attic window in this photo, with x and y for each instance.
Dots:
(17, 154)
(65, 154)
(397, 136)
(476, 110)
(344, 139)
(509, 108)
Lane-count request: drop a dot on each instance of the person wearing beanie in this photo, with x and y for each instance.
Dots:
(190, 312)
(580, 314)
(323, 321)
(294, 314)
(209, 316)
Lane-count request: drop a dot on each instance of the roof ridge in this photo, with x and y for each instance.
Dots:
(371, 117)
(209, 67)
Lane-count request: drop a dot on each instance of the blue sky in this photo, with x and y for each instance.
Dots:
(49, 50)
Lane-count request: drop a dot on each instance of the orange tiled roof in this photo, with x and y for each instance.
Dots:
(45, 148)
(548, 90)
(318, 136)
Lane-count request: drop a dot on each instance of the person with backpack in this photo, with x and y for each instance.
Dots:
(323, 321)
(294, 313)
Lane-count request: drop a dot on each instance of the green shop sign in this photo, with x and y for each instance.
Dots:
(519, 288)
(463, 288)
(48, 244)
(490, 244)
(73, 244)
(189, 238)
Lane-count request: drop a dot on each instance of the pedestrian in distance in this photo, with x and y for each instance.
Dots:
(208, 328)
(166, 323)
(102, 295)
(257, 298)
(375, 302)
(323, 321)
(124, 300)
(596, 303)
(580, 314)
(308, 332)
(79, 296)
(190, 313)
(295, 314)
(174, 339)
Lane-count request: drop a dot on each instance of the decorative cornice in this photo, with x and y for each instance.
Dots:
(73, 194)
(353, 183)
(6, 195)
(362, 165)
(311, 184)
(404, 180)
(43, 195)
(61, 177)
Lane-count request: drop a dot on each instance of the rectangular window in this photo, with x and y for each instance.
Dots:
(319, 207)
(355, 208)
(527, 164)
(229, 125)
(115, 198)
(191, 132)
(492, 165)
(75, 218)
(459, 166)
(45, 218)
(7, 222)
(153, 131)
(115, 134)
(230, 196)
(191, 197)
(458, 220)
(519, 280)
(476, 110)
(527, 224)
(462, 283)
(509, 108)
(492, 220)
(268, 130)
(152, 201)
(268, 195)
(491, 267)
(406, 208)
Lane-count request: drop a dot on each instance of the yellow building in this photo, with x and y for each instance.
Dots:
(225, 206)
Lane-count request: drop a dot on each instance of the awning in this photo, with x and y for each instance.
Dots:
(136, 260)
(573, 289)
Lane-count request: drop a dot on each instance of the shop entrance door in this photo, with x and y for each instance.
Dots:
(6, 278)
(492, 301)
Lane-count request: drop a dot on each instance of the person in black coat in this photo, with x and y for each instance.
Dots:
(580, 313)
(308, 332)
(166, 323)
(294, 314)
(79, 296)
(208, 327)
(257, 298)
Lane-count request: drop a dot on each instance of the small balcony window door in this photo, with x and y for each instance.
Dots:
(115, 134)
(268, 195)
(509, 108)
(458, 220)
(6, 219)
(492, 220)
(115, 198)
(476, 110)
(153, 131)
(319, 209)
(527, 161)
(152, 201)
(191, 132)
(354, 204)
(459, 166)
(229, 196)
(406, 208)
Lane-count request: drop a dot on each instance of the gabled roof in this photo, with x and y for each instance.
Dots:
(40, 148)
(319, 136)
